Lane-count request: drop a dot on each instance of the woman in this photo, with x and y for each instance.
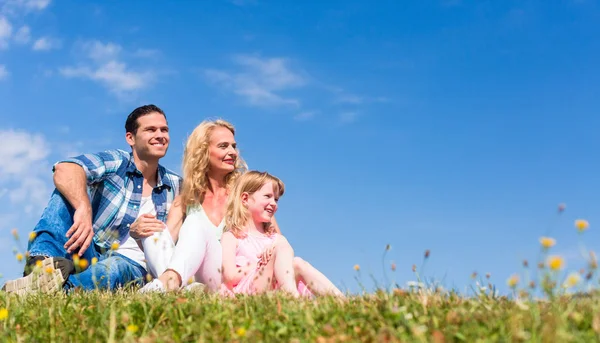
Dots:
(211, 164)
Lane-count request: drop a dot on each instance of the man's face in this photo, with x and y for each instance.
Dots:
(151, 140)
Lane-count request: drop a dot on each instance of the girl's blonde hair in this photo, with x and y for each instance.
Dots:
(196, 162)
(236, 214)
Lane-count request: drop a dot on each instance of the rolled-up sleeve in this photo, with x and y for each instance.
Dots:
(97, 166)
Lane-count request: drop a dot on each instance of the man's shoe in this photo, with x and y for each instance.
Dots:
(47, 279)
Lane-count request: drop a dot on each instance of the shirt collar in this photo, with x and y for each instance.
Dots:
(162, 179)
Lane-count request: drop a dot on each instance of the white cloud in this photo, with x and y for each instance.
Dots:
(114, 75)
(106, 67)
(24, 153)
(19, 151)
(101, 52)
(3, 72)
(260, 81)
(13, 6)
(36, 4)
(17, 10)
(23, 35)
(45, 44)
(5, 32)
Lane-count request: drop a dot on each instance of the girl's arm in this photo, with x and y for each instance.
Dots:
(231, 275)
(175, 218)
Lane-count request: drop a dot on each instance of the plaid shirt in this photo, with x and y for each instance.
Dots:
(115, 189)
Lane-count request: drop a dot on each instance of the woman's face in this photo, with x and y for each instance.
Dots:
(221, 151)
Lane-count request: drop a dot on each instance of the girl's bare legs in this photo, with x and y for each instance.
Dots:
(265, 277)
(283, 256)
(314, 279)
(280, 265)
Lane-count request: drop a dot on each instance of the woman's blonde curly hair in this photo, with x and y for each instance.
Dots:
(196, 162)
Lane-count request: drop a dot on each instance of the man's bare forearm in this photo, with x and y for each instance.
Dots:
(71, 182)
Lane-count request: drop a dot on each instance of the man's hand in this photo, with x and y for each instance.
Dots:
(81, 233)
(145, 226)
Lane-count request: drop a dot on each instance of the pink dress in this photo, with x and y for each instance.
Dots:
(247, 251)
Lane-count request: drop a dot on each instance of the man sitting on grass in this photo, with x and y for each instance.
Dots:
(98, 197)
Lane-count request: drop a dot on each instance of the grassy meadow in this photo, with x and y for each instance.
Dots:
(547, 303)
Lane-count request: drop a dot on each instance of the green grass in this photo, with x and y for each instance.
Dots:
(399, 316)
(417, 314)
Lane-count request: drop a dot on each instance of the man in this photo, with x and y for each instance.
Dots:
(98, 197)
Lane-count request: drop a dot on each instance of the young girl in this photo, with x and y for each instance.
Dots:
(255, 257)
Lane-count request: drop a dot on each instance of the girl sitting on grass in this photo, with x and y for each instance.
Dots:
(255, 257)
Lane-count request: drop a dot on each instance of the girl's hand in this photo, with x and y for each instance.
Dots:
(264, 257)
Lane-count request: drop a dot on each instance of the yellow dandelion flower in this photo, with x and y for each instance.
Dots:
(32, 236)
(149, 277)
(49, 269)
(38, 263)
(572, 280)
(83, 263)
(94, 261)
(19, 257)
(356, 267)
(114, 246)
(3, 313)
(76, 259)
(581, 225)
(132, 328)
(513, 281)
(547, 242)
(555, 262)
(241, 332)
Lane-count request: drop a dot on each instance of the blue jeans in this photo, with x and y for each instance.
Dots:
(110, 272)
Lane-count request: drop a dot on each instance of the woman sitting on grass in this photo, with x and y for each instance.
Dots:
(211, 164)
(255, 257)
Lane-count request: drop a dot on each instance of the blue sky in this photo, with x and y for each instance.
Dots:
(449, 125)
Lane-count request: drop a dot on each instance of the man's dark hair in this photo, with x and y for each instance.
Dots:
(131, 124)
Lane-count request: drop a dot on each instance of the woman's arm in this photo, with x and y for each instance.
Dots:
(275, 225)
(175, 218)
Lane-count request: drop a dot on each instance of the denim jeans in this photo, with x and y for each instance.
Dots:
(111, 271)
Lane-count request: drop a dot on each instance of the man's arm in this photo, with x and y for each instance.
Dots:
(71, 181)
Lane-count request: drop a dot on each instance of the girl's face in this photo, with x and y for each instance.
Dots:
(221, 150)
(262, 204)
